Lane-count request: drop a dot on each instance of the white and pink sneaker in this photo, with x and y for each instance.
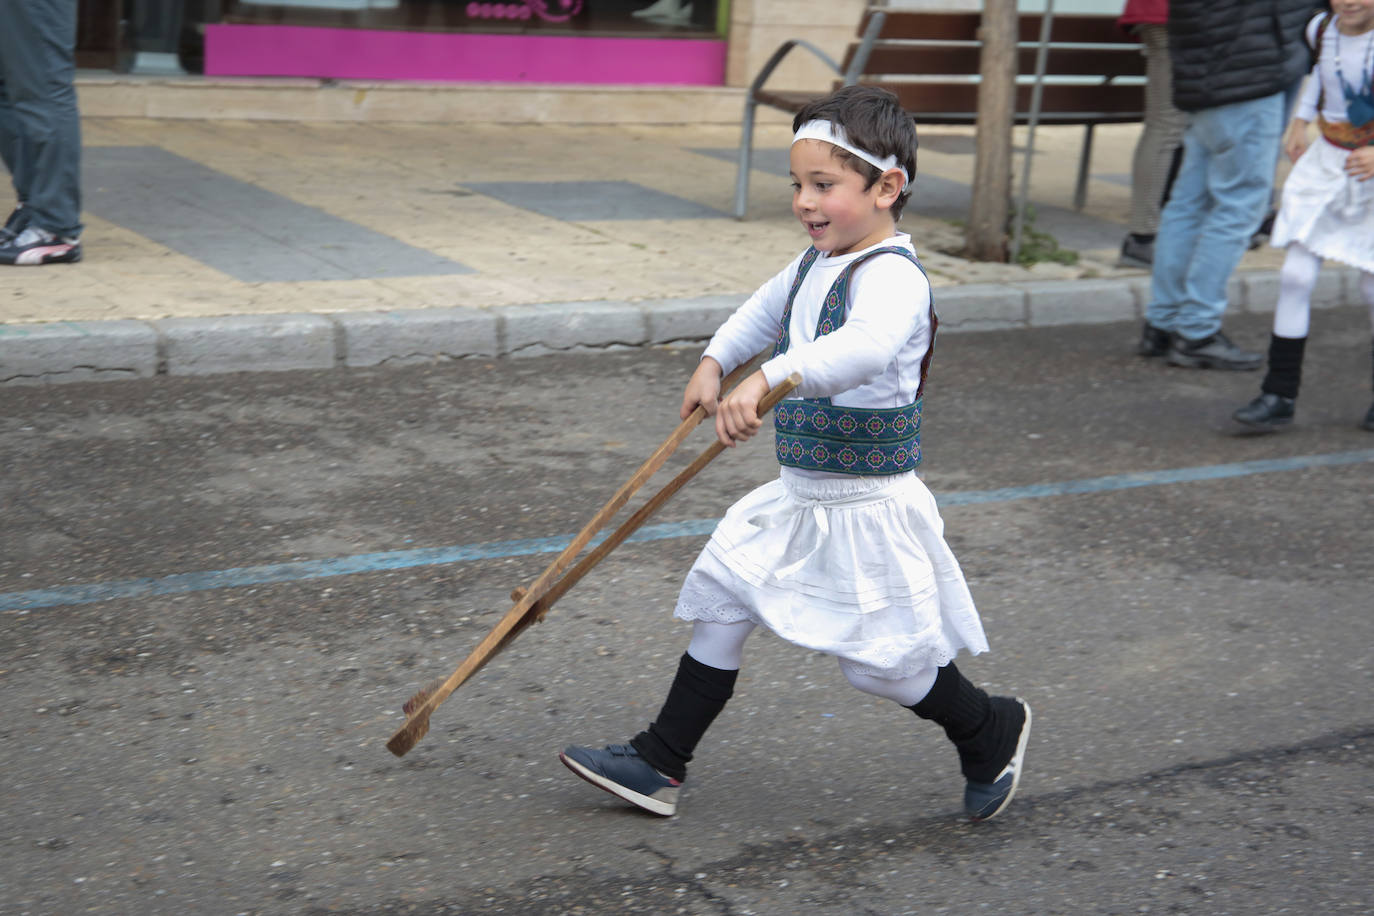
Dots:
(38, 246)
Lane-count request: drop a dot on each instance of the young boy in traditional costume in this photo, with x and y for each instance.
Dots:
(1328, 200)
(844, 552)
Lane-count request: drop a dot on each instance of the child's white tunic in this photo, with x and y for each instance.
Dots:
(1327, 211)
(856, 567)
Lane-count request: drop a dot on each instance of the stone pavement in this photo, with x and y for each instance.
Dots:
(221, 246)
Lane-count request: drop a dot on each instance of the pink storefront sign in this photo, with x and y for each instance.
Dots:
(271, 50)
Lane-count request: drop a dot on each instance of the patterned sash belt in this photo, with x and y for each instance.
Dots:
(848, 440)
(1346, 135)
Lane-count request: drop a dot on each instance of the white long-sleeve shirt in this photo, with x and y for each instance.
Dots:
(1354, 57)
(873, 360)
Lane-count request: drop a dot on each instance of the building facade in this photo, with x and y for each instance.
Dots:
(683, 45)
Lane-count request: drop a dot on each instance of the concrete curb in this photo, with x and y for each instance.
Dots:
(65, 351)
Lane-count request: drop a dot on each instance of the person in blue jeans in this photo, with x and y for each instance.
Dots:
(1232, 62)
(40, 131)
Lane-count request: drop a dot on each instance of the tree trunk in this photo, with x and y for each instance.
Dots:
(985, 239)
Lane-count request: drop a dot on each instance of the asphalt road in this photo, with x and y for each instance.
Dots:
(181, 735)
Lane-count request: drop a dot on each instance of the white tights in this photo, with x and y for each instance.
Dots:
(1297, 279)
(721, 645)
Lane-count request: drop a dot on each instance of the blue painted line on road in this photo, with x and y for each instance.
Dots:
(182, 583)
(1158, 478)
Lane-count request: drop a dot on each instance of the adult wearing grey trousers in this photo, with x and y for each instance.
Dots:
(1161, 136)
(40, 131)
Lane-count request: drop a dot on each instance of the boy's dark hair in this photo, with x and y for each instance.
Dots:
(874, 121)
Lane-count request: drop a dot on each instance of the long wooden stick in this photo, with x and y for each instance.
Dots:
(420, 706)
(641, 515)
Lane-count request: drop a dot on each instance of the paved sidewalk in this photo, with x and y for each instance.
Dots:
(220, 246)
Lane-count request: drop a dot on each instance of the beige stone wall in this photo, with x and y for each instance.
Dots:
(758, 27)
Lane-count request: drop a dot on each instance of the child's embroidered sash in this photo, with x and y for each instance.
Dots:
(1346, 135)
(814, 434)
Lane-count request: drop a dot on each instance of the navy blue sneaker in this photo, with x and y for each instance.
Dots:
(621, 771)
(985, 800)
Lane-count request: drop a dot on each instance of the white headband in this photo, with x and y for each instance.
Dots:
(833, 133)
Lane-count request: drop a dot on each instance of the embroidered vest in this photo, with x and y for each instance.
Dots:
(814, 434)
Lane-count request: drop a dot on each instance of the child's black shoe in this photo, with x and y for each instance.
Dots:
(1267, 413)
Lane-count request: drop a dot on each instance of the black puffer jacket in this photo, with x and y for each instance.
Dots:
(1226, 51)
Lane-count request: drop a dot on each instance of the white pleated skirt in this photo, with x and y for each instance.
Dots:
(1327, 211)
(856, 567)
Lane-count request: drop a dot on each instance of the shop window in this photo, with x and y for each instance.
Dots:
(666, 18)
(430, 39)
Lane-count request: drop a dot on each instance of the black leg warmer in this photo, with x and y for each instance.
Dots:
(698, 694)
(976, 723)
(1285, 366)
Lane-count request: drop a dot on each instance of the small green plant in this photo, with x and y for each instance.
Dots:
(1036, 245)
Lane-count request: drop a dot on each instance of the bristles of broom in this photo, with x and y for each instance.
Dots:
(424, 693)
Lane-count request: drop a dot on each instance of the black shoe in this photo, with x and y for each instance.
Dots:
(1369, 420)
(1153, 341)
(1137, 252)
(1215, 352)
(15, 224)
(1266, 229)
(1268, 413)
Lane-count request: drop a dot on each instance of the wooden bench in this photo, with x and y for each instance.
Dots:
(1093, 75)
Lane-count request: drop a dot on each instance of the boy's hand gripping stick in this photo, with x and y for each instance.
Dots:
(533, 603)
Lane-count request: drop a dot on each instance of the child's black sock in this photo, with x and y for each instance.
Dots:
(1285, 366)
(978, 724)
(698, 694)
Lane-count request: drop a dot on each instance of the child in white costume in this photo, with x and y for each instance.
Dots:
(844, 552)
(1328, 200)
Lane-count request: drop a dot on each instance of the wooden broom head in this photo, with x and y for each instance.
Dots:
(409, 735)
(417, 726)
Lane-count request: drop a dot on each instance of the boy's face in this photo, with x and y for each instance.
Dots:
(830, 200)
(1356, 15)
